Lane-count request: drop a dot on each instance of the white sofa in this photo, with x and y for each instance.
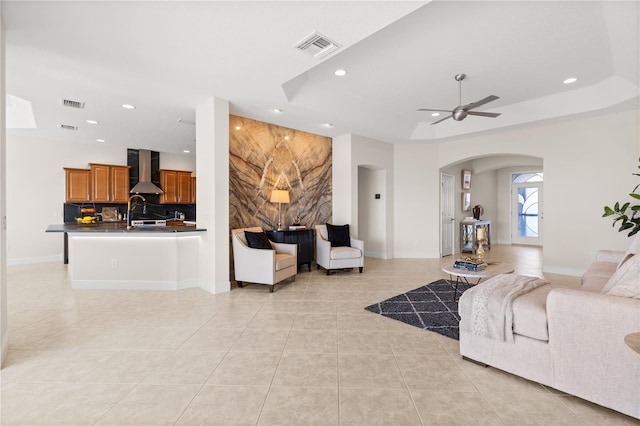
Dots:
(572, 339)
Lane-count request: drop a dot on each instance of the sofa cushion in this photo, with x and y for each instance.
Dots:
(625, 281)
(284, 261)
(530, 314)
(600, 270)
(257, 240)
(345, 253)
(594, 284)
(339, 235)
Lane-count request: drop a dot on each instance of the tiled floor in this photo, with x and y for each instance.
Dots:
(307, 354)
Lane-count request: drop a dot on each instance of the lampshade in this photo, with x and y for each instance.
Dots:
(279, 196)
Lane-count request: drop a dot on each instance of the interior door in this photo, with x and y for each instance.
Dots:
(526, 213)
(447, 209)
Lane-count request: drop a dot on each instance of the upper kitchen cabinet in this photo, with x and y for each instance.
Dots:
(176, 185)
(193, 189)
(78, 185)
(109, 183)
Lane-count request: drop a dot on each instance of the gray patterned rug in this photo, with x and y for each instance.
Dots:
(429, 307)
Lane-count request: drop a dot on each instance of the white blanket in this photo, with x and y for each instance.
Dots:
(492, 305)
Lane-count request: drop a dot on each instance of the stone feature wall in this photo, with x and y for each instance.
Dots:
(264, 157)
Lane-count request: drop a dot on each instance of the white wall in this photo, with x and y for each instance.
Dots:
(177, 162)
(372, 215)
(417, 201)
(212, 193)
(348, 153)
(36, 189)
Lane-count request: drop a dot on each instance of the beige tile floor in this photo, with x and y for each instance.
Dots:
(307, 354)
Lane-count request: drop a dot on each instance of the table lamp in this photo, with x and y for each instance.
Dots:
(279, 196)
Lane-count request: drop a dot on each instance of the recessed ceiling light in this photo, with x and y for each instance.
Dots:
(92, 122)
(100, 140)
(128, 106)
(186, 151)
(328, 125)
(340, 72)
(238, 128)
(277, 110)
(435, 114)
(570, 80)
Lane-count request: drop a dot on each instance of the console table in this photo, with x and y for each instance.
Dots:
(471, 231)
(303, 238)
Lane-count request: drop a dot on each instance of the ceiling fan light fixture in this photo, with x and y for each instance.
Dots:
(435, 114)
(569, 80)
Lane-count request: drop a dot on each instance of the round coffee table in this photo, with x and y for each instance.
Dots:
(468, 277)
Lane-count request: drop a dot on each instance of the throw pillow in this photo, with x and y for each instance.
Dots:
(625, 281)
(339, 235)
(257, 240)
(634, 248)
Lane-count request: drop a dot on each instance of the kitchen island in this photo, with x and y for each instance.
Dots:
(110, 256)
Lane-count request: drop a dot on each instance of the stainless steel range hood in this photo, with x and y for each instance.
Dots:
(144, 185)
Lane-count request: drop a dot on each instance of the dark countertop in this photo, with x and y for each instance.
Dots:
(120, 227)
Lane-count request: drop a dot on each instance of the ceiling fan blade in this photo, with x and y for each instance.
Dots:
(486, 100)
(436, 110)
(484, 114)
(441, 120)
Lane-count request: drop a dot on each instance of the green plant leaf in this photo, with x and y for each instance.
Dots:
(634, 195)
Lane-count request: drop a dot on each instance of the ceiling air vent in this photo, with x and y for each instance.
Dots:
(317, 45)
(68, 127)
(72, 104)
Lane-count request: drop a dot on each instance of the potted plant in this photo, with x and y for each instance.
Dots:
(627, 215)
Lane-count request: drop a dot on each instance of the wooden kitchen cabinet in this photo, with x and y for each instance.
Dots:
(176, 185)
(109, 183)
(193, 190)
(78, 185)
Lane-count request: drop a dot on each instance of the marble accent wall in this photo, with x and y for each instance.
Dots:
(264, 157)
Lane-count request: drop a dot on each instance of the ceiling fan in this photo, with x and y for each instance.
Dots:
(461, 111)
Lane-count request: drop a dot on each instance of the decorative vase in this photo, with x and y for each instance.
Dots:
(478, 211)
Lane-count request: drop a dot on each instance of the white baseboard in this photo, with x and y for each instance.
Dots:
(416, 255)
(132, 285)
(33, 260)
(377, 255)
(562, 270)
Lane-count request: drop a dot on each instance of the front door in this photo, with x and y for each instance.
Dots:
(447, 209)
(526, 212)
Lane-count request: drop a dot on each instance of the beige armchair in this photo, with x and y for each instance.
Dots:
(259, 265)
(337, 257)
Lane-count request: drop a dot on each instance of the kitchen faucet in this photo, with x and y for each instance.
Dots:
(129, 208)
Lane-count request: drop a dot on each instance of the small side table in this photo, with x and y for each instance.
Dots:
(633, 341)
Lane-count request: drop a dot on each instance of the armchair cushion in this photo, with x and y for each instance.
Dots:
(284, 260)
(345, 253)
(257, 240)
(339, 235)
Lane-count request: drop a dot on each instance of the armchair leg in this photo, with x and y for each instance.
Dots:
(271, 288)
(328, 271)
(239, 284)
(361, 268)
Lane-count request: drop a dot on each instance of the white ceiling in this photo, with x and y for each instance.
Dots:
(169, 57)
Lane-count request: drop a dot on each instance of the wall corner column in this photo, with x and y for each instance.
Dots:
(4, 330)
(212, 209)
